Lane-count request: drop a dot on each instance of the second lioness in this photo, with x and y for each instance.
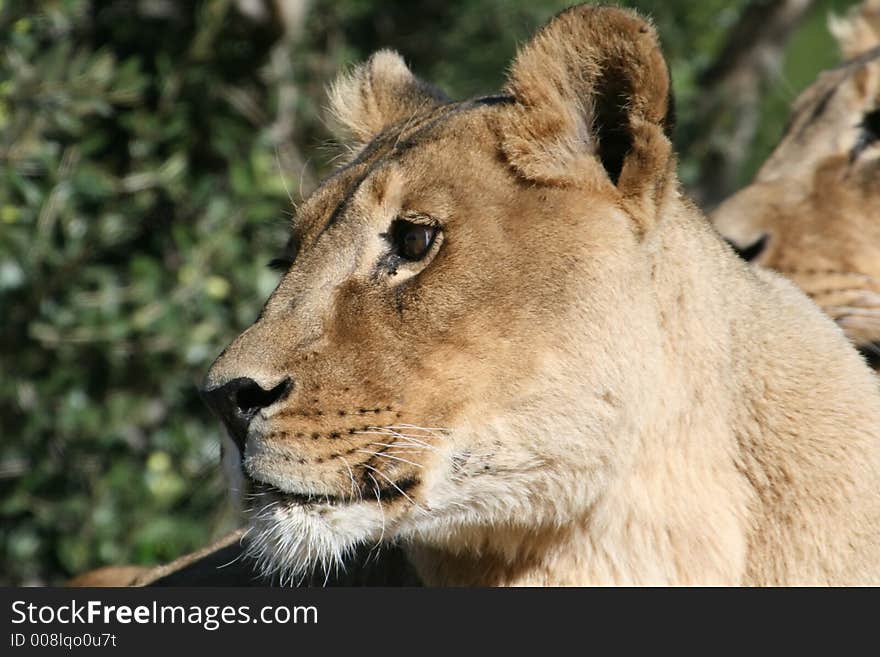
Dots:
(813, 210)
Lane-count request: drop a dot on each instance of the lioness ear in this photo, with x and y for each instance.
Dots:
(859, 30)
(379, 93)
(591, 85)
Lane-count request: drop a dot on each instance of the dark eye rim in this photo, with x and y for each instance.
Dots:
(285, 260)
(751, 251)
(871, 123)
(869, 133)
(280, 264)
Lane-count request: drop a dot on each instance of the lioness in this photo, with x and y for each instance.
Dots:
(813, 210)
(505, 340)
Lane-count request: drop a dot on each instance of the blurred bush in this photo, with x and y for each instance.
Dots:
(148, 150)
(139, 200)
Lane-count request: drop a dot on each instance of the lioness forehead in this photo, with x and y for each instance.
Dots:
(834, 97)
(330, 201)
(419, 129)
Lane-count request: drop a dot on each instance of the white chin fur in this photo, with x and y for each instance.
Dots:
(291, 541)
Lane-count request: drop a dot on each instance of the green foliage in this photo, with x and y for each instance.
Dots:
(141, 193)
(138, 206)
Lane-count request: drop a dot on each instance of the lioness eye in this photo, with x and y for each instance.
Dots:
(871, 123)
(412, 241)
(869, 133)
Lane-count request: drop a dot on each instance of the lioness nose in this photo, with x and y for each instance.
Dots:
(238, 401)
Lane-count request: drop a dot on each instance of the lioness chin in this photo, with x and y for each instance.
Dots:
(505, 341)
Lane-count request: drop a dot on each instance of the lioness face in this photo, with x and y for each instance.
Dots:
(415, 373)
(812, 212)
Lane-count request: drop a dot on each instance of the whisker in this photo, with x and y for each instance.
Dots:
(403, 443)
(416, 443)
(283, 180)
(413, 426)
(414, 439)
(401, 448)
(379, 502)
(435, 432)
(338, 157)
(388, 456)
(351, 476)
(404, 447)
(396, 434)
(302, 174)
(232, 561)
(399, 490)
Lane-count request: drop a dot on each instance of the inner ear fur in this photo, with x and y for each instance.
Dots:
(379, 93)
(591, 85)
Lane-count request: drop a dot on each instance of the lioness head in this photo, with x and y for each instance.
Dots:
(416, 374)
(813, 210)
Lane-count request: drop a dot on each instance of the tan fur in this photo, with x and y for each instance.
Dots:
(378, 93)
(859, 31)
(580, 383)
(109, 576)
(817, 198)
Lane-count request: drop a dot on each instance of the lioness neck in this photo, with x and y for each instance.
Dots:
(705, 491)
(673, 504)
